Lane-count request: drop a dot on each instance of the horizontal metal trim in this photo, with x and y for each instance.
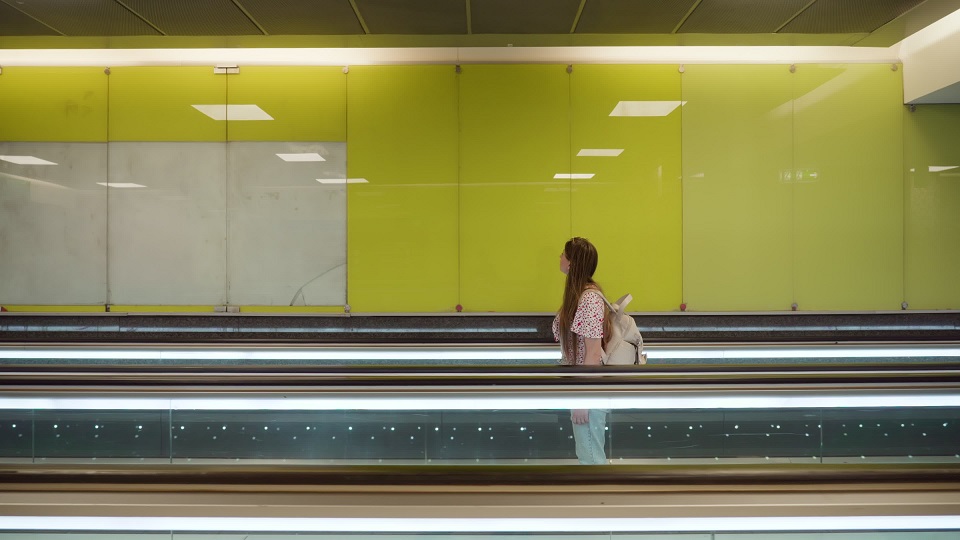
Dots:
(499, 328)
(200, 477)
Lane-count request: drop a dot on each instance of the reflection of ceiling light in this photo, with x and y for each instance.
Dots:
(26, 160)
(342, 180)
(301, 157)
(461, 526)
(940, 168)
(562, 176)
(600, 152)
(645, 108)
(233, 112)
(119, 184)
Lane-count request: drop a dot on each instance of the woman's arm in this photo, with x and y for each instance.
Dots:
(591, 358)
(594, 349)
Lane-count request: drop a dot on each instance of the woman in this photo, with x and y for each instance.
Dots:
(580, 326)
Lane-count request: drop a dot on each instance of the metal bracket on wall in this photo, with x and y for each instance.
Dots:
(226, 70)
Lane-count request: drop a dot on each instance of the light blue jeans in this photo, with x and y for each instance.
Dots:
(590, 438)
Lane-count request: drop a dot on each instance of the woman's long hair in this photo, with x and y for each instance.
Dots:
(583, 263)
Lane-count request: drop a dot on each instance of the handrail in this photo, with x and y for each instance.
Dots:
(203, 477)
(476, 327)
(651, 376)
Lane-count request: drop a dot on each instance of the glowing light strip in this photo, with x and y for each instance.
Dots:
(480, 525)
(447, 55)
(425, 401)
(825, 352)
(549, 353)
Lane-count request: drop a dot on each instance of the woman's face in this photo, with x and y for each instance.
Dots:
(564, 263)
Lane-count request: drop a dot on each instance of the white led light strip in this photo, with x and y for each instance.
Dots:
(483, 402)
(808, 352)
(481, 525)
(551, 353)
(447, 55)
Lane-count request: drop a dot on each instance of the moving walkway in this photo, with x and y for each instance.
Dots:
(270, 441)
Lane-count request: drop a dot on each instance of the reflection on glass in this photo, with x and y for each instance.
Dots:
(308, 156)
(558, 527)
(286, 231)
(53, 218)
(26, 160)
(646, 108)
(599, 152)
(233, 112)
(280, 431)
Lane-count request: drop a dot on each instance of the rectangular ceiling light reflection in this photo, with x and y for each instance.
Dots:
(646, 108)
(312, 156)
(342, 180)
(233, 112)
(120, 184)
(26, 160)
(600, 152)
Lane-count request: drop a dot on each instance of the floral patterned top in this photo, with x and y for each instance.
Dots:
(587, 323)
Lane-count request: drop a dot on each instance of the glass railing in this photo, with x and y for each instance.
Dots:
(467, 419)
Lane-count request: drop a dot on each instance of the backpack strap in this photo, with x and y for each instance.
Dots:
(619, 307)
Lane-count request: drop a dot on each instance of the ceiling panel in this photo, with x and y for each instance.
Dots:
(192, 18)
(16, 23)
(87, 17)
(414, 16)
(523, 17)
(629, 17)
(304, 17)
(848, 16)
(741, 16)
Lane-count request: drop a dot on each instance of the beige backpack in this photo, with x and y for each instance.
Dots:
(625, 346)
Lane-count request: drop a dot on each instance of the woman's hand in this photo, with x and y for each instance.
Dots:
(580, 416)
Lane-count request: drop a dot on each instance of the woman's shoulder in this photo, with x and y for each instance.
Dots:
(591, 294)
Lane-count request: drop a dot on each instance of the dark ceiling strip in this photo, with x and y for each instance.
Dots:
(687, 16)
(795, 15)
(32, 17)
(469, 18)
(576, 19)
(356, 11)
(141, 17)
(249, 16)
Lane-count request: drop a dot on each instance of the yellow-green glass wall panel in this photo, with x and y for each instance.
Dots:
(157, 104)
(932, 207)
(514, 216)
(41, 104)
(737, 206)
(307, 103)
(631, 208)
(402, 232)
(848, 195)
